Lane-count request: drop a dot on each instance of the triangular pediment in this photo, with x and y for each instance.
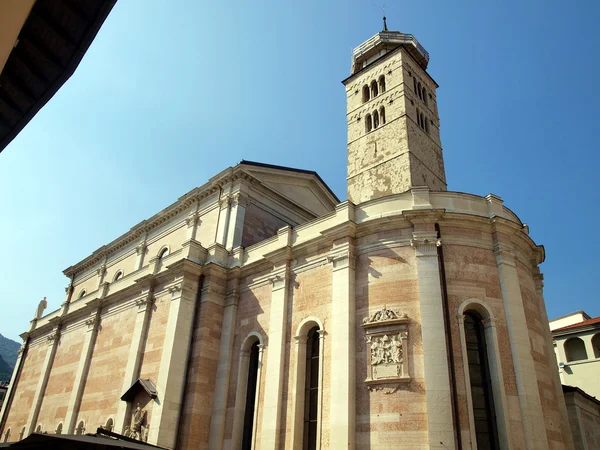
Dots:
(140, 385)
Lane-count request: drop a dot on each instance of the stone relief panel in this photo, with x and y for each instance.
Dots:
(386, 333)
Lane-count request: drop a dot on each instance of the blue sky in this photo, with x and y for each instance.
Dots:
(170, 93)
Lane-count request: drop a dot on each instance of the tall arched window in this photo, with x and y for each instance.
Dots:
(419, 91)
(7, 435)
(59, 428)
(382, 115)
(80, 428)
(39, 429)
(575, 350)
(368, 123)
(482, 397)
(424, 95)
(596, 345)
(366, 93)
(382, 84)
(374, 90)
(375, 119)
(311, 393)
(250, 398)
(109, 425)
(247, 393)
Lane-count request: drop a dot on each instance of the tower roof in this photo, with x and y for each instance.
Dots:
(384, 42)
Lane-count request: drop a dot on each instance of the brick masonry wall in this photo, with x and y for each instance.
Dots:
(388, 278)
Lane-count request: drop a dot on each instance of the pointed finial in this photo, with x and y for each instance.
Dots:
(384, 24)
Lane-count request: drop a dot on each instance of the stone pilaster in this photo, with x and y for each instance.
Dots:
(85, 358)
(236, 220)
(101, 272)
(223, 224)
(140, 254)
(40, 390)
(144, 304)
(173, 365)
(219, 407)
(192, 221)
(342, 338)
(271, 422)
(435, 355)
(526, 377)
(13, 381)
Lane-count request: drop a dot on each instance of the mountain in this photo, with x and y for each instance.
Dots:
(8, 357)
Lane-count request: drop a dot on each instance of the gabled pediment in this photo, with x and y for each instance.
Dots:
(140, 385)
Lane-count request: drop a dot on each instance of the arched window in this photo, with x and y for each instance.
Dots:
(59, 428)
(109, 425)
(7, 435)
(424, 95)
(374, 90)
(118, 276)
(415, 85)
(382, 84)
(82, 293)
(426, 122)
(163, 253)
(596, 345)
(375, 119)
(247, 393)
(311, 393)
(368, 123)
(39, 428)
(22, 434)
(80, 428)
(382, 115)
(575, 350)
(419, 91)
(482, 397)
(366, 94)
(247, 436)
(308, 384)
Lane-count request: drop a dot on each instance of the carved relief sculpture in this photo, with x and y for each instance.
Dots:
(386, 334)
(138, 428)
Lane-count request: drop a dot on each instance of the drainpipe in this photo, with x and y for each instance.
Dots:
(449, 348)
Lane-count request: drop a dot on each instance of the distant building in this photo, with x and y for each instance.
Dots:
(259, 312)
(576, 339)
(41, 45)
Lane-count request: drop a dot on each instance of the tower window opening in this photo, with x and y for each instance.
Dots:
(366, 94)
(374, 89)
(424, 95)
(375, 119)
(575, 350)
(486, 431)
(382, 84)
(368, 123)
(382, 115)
(311, 396)
(415, 85)
(426, 121)
(419, 90)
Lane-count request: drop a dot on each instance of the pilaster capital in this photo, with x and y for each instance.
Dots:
(342, 257)
(174, 289)
(144, 300)
(141, 248)
(239, 199)
(300, 340)
(101, 270)
(193, 219)
(425, 243)
(278, 281)
(92, 321)
(224, 202)
(504, 254)
(104, 289)
(54, 336)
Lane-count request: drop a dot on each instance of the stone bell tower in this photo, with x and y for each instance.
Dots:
(393, 125)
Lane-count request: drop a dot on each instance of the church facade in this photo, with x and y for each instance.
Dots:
(259, 312)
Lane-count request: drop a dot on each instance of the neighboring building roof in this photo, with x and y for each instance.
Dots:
(585, 323)
(48, 49)
(566, 388)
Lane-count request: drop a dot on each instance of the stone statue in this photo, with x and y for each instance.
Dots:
(40, 309)
(137, 428)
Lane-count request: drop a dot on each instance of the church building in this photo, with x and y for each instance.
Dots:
(259, 312)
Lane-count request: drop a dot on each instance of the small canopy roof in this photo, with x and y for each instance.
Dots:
(101, 440)
(140, 385)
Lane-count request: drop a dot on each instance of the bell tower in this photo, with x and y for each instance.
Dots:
(393, 125)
